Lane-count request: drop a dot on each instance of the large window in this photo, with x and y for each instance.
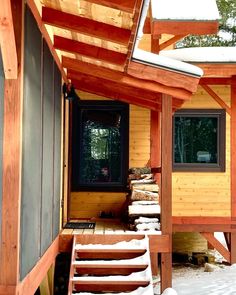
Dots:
(199, 140)
(100, 145)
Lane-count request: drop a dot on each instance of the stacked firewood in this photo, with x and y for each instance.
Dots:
(143, 209)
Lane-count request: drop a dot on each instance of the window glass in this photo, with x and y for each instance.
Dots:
(199, 140)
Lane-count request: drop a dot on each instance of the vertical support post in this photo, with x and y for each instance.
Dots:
(155, 137)
(166, 188)
(11, 182)
(233, 168)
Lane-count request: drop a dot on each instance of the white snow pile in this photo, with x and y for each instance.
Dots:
(145, 203)
(185, 10)
(169, 291)
(142, 209)
(202, 54)
(140, 291)
(142, 219)
(133, 244)
(148, 226)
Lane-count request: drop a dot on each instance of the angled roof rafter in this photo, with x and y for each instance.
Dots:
(91, 51)
(85, 26)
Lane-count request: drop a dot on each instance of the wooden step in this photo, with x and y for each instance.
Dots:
(108, 269)
(108, 253)
(107, 286)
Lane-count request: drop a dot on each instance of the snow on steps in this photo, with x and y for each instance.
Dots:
(129, 272)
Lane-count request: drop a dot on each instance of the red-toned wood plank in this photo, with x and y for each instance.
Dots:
(233, 147)
(233, 248)
(85, 26)
(217, 245)
(34, 10)
(11, 168)
(203, 228)
(216, 97)
(7, 41)
(168, 78)
(216, 81)
(75, 67)
(91, 51)
(124, 5)
(166, 188)
(184, 27)
(113, 90)
(31, 282)
(155, 138)
(219, 70)
(7, 290)
(200, 220)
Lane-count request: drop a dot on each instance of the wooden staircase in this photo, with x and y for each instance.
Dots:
(104, 268)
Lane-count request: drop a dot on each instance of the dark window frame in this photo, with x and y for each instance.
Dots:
(220, 114)
(77, 110)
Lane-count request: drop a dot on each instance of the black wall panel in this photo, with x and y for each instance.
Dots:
(1, 134)
(31, 148)
(41, 160)
(57, 150)
(47, 169)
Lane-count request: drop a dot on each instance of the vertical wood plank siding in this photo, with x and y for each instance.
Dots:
(1, 135)
(199, 193)
(41, 143)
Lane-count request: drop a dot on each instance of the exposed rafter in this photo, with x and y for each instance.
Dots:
(124, 5)
(85, 26)
(186, 84)
(110, 90)
(110, 75)
(7, 41)
(91, 51)
(216, 81)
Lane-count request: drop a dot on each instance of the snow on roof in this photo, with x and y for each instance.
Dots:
(184, 10)
(166, 63)
(202, 54)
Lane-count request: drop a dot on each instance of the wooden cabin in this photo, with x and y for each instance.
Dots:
(98, 46)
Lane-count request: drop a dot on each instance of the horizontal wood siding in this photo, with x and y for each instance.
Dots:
(1, 134)
(41, 143)
(204, 194)
(91, 204)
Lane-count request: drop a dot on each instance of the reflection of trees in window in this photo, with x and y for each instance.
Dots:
(100, 145)
(195, 137)
(199, 139)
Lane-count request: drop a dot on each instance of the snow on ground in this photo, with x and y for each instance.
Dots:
(190, 280)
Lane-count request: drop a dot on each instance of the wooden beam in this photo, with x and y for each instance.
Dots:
(175, 27)
(31, 282)
(155, 140)
(85, 26)
(166, 188)
(217, 245)
(42, 28)
(75, 67)
(215, 81)
(113, 90)
(216, 97)
(219, 70)
(7, 41)
(124, 5)
(171, 41)
(11, 168)
(90, 51)
(166, 77)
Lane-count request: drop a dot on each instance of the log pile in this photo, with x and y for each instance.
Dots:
(144, 208)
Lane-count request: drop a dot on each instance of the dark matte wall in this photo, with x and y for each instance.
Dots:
(1, 134)
(41, 148)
